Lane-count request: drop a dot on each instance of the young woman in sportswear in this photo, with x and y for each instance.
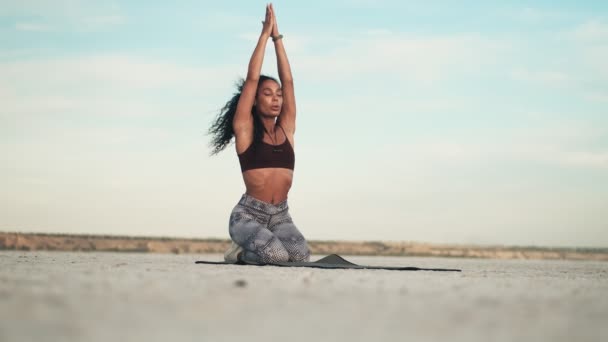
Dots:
(261, 117)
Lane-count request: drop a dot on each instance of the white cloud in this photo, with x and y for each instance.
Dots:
(537, 15)
(555, 155)
(566, 144)
(574, 58)
(108, 85)
(123, 71)
(378, 32)
(294, 43)
(594, 60)
(84, 24)
(597, 97)
(592, 31)
(98, 22)
(59, 15)
(103, 20)
(584, 159)
(424, 59)
(34, 27)
(587, 46)
(548, 78)
(360, 3)
(219, 20)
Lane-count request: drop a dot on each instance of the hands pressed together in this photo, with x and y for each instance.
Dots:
(269, 25)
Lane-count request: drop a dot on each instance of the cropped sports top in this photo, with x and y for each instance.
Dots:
(261, 155)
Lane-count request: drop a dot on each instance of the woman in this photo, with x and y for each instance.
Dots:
(261, 116)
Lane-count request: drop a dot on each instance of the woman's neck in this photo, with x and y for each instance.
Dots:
(269, 124)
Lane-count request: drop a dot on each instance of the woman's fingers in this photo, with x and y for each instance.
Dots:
(271, 11)
(270, 15)
(275, 29)
(268, 23)
(274, 15)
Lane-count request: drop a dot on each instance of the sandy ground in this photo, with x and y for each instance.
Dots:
(57, 296)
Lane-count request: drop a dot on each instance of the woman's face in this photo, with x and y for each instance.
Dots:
(269, 99)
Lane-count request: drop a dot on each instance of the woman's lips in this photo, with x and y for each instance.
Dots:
(275, 107)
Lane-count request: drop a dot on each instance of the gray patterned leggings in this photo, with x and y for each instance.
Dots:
(266, 232)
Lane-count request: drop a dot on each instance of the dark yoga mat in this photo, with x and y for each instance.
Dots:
(332, 261)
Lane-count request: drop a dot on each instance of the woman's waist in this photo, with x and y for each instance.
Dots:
(262, 205)
(268, 196)
(268, 185)
(273, 181)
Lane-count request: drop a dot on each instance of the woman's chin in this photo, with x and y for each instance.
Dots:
(270, 113)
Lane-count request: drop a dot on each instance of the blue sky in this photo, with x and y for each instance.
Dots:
(417, 121)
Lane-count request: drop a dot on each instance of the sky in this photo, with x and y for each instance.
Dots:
(446, 122)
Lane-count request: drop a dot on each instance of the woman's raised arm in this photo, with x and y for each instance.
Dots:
(242, 123)
(287, 118)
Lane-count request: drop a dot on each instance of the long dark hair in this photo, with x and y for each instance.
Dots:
(221, 128)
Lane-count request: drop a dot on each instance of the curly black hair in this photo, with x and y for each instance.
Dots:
(221, 128)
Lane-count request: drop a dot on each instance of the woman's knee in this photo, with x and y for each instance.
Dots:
(275, 252)
(299, 252)
(263, 245)
(293, 241)
(244, 231)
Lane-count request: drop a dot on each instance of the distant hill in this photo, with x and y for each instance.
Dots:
(106, 243)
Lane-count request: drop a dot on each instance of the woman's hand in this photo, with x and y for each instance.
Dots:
(275, 27)
(268, 23)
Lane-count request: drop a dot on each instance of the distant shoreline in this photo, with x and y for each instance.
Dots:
(110, 243)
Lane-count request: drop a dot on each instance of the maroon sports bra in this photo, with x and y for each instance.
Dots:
(262, 155)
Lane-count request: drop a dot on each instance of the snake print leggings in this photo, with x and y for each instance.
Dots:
(266, 232)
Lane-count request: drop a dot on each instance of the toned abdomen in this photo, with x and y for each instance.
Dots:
(270, 185)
